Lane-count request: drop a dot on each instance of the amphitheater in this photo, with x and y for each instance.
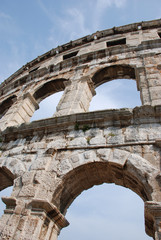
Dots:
(51, 161)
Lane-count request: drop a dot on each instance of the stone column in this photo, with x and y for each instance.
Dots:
(76, 97)
(142, 86)
(20, 112)
(149, 76)
(153, 219)
(37, 219)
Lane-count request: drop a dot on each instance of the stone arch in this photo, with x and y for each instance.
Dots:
(117, 72)
(105, 166)
(113, 72)
(49, 88)
(6, 104)
(6, 178)
(12, 166)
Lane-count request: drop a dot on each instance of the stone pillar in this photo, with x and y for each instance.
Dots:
(149, 83)
(37, 219)
(142, 86)
(76, 97)
(153, 219)
(19, 112)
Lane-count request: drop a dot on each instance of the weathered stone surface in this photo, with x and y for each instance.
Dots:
(51, 161)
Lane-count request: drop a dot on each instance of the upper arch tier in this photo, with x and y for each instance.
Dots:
(132, 51)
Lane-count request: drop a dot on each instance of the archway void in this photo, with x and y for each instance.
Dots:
(4, 193)
(48, 96)
(106, 212)
(119, 93)
(47, 107)
(6, 104)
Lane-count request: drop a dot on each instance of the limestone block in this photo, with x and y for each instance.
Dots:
(115, 139)
(29, 108)
(83, 157)
(155, 92)
(9, 227)
(90, 155)
(56, 144)
(43, 193)
(77, 142)
(46, 179)
(156, 102)
(28, 158)
(53, 165)
(40, 163)
(15, 166)
(37, 146)
(27, 191)
(28, 177)
(75, 160)
(93, 132)
(104, 154)
(145, 98)
(98, 140)
(137, 149)
(131, 134)
(64, 166)
(139, 166)
(75, 133)
(155, 132)
(150, 157)
(143, 132)
(119, 157)
(16, 150)
(154, 82)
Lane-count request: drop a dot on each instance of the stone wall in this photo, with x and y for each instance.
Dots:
(50, 162)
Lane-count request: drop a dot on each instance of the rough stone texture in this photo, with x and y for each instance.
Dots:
(51, 161)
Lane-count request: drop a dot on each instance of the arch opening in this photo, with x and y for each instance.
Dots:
(48, 96)
(120, 93)
(115, 88)
(6, 192)
(49, 88)
(98, 212)
(113, 72)
(6, 178)
(6, 104)
(47, 106)
(96, 173)
(6, 185)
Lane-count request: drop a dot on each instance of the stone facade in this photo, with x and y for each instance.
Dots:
(50, 162)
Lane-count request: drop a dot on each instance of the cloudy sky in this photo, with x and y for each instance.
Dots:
(29, 28)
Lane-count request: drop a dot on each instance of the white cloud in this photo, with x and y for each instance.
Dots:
(120, 3)
(66, 28)
(49, 14)
(14, 54)
(5, 16)
(102, 6)
(74, 23)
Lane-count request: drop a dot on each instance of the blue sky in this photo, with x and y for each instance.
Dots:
(29, 29)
